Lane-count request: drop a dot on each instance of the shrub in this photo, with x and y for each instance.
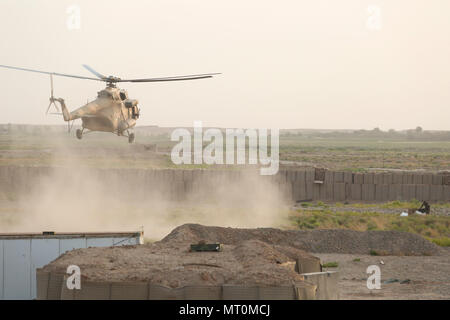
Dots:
(443, 242)
(333, 264)
(371, 226)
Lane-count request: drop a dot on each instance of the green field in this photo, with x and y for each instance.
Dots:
(358, 154)
(355, 151)
(319, 215)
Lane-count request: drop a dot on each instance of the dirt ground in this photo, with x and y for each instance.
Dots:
(429, 276)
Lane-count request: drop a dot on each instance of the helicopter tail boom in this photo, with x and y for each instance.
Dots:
(66, 114)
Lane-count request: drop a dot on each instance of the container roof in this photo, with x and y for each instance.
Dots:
(58, 235)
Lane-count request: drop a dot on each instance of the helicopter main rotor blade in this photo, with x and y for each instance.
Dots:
(98, 74)
(174, 78)
(114, 79)
(52, 73)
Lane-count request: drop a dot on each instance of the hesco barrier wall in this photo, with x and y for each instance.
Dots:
(52, 286)
(317, 285)
(326, 283)
(22, 254)
(340, 186)
(296, 185)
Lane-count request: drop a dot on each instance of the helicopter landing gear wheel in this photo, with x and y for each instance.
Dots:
(131, 138)
(79, 134)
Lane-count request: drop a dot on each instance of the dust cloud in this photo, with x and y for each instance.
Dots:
(73, 197)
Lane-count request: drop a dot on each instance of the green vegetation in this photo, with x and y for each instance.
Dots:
(443, 242)
(359, 154)
(433, 227)
(333, 264)
(401, 205)
(361, 149)
(357, 260)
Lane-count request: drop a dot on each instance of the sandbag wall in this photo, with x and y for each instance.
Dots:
(179, 184)
(52, 286)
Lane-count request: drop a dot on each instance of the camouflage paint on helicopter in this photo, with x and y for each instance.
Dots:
(112, 111)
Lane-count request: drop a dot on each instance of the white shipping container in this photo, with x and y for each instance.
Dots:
(22, 254)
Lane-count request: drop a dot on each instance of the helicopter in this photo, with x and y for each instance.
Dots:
(112, 111)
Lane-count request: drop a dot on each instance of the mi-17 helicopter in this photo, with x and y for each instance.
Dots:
(112, 111)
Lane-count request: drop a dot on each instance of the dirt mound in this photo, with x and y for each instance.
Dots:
(319, 241)
(264, 257)
(170, 264)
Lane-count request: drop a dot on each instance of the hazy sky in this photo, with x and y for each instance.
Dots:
(286, 64)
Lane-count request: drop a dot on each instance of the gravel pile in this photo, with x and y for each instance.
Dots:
(316, 241)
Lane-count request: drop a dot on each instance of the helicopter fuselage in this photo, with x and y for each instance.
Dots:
(112, 111)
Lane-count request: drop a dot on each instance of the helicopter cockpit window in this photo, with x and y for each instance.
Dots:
(123, 96)
(135, 112)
